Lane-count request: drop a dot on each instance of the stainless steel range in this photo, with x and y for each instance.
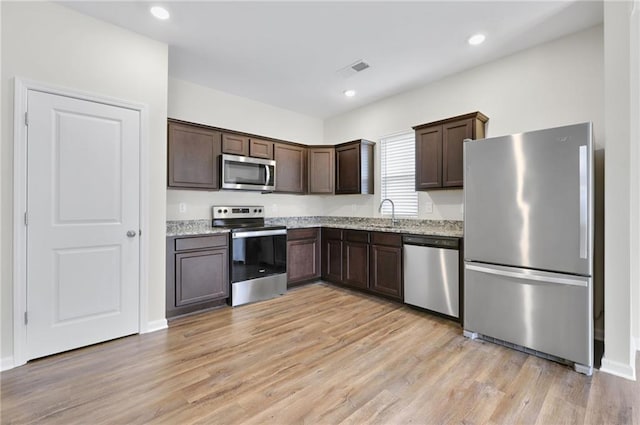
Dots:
(258, 260)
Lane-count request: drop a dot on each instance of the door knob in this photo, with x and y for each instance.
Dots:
(131, 233)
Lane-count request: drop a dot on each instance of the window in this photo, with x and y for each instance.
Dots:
(398, 174)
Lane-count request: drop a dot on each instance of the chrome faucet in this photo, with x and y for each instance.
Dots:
(393, 210)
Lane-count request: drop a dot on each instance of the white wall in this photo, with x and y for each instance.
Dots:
(51, 44)
(194, 103)
(553, 84)
(635, 171)
(621, 251)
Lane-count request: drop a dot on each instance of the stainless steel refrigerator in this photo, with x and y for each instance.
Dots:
(528, 232)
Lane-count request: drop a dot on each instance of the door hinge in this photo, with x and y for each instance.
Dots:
(26, 318)
(26, 119)
(26, 218)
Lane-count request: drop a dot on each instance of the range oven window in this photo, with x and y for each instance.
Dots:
(258, 256)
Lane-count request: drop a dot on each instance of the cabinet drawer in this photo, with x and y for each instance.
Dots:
(335, 234)
(297, 234)
(389, 239)
(201, 242)
(357, 236)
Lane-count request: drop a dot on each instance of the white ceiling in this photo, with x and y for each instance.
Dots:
(287, 54)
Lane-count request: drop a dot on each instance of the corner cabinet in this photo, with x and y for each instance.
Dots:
(303, 255)
(291, 168)
(354, 167)
(192, 157)
(197, 273)
(439, 150)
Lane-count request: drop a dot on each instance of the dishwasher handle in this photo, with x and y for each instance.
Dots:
(432, 241)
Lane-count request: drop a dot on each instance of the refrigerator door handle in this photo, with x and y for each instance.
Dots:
(540, 278)
(584, 203)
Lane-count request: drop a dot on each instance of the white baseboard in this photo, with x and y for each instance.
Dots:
(618, 369)
(155, 325)
(6, 363)
(598, 334)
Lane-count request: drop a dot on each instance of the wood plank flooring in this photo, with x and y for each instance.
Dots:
(318, 355)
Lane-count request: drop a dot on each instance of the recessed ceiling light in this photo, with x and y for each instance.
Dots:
(476, 39)
(349, 93)
(160, 12)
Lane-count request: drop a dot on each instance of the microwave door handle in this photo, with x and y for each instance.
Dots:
(266, 167)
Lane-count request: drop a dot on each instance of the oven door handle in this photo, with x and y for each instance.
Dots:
(258, 233)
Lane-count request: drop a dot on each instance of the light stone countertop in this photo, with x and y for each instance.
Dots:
(406, 226)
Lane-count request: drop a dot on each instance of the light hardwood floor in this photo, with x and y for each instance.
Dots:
(319, 354)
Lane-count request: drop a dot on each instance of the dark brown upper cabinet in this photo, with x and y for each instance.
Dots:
(235, 144)
(354, 167)
(192, 157)
(439, 149)
(321, 169)
(260, 148)
(291, 168)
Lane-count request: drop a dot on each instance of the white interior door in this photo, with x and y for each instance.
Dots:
(82, 199)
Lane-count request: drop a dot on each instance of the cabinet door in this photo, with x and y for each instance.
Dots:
(356, 262)
(302, 260)
(452, 136)
(429, 158)
(386, 270)
(235, 144)
(332, 260)
(291, 168)
(201, 276)
(348, 169)
(321, 170)
(260, 149)
(193, 157)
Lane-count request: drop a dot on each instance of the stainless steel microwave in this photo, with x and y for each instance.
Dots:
(246, 173)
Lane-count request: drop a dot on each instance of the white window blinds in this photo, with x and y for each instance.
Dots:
(397, 154)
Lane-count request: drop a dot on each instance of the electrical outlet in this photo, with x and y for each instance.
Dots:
(428, 207)
(182, 207)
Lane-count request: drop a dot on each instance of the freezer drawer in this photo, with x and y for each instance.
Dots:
(431, 278)
(547, 312)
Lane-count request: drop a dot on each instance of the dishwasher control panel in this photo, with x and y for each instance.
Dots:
(435, 241)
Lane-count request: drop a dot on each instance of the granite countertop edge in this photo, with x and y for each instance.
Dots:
(449, 228)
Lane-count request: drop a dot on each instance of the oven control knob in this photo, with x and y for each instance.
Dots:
(225, 211)
(255, 211)
(260, 210)
(219, 211)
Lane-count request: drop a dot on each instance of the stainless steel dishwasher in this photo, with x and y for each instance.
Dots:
(432, 273)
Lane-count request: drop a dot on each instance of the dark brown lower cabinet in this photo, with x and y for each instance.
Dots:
(332, 255)
(303, 255)
(356, 259)
(386, 265)
(197, 273)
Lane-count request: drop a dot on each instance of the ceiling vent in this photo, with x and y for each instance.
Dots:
(354, 68)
